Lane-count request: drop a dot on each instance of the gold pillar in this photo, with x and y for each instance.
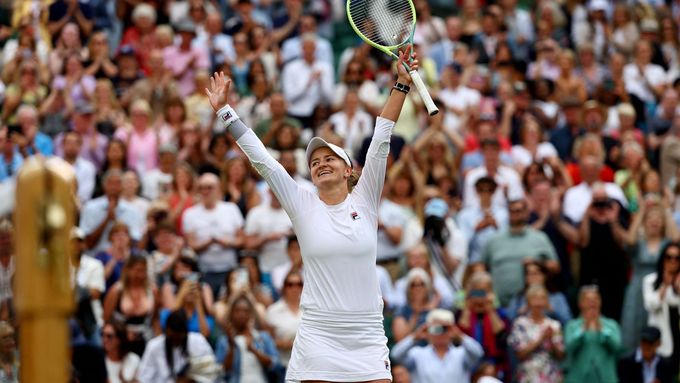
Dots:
(44, 216)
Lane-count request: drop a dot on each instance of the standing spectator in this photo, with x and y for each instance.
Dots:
(134, 301)
(267, 228)
(78, 86)
(94, 144)
(285, 315)
(670, 153)
(292, 47)
(537, 340)
(220, 45)
(98, 215)
(602, 236)
(307, 83)
(214, 230)
(645, 81)
(458, 99)
(191, 296)
(488, 325)
(662, 302)
(246, 354)
(592, 342)
(99, 63)
(170, 357)
(140, 138)
(184, 59)
(645, 364)
(121, 363)
(450, 354)
(504, 252)
(86, 174)
(442, 51)
(351, 123)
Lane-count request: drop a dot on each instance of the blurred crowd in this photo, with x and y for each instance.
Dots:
(527, 233)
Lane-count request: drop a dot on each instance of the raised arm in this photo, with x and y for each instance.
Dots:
(282, 184)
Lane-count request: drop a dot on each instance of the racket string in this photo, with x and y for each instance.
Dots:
(384, 22)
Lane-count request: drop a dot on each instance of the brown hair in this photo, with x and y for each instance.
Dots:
(353, 180)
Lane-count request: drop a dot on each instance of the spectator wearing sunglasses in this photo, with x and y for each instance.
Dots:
(449, 355)
(121, 362)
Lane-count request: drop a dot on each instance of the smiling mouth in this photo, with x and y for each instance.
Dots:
(325, 172)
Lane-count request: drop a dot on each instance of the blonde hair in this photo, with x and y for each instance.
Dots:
(353, 180)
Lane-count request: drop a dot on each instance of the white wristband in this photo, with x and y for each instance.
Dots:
(227, 115)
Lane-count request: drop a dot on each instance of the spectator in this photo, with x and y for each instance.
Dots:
(10, 159)
(94, 147)
(121, 364)
(130, 193)
(88, 288)
(98, 215)
(449, 355)
(140, 35)
(458, 99)
(182, 193)
(645, 363)
(277, 108)
(239, 187)
(592, 341)
(245, 353)
(29, 140)
(644, 80)
(504, 252)
(284, 316)
(141, 140)
(63, 11)
(418, 257)
(536, 274)
(566, 132)
(99, 63)
(214, 230)
(26, 89)
(267, 227)
(306, 83)
(260, 284)
(537, 340)
(84, 169)
(356, 77)
(662, 302)
(292, 47)
(157, 182)
(177, 355)
(169, 246)
(9, 354)
(351, 123)
(220, 45)
(420, 299)
(670, 153)
(602, 236)
(184, 59)
(294, 263)
(569, 83)
(441, 51)
(68, 42)
(6, 270)
(488, 325)
(134, 301)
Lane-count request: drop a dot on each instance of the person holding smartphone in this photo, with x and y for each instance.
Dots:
(448, 356)
(341, 336)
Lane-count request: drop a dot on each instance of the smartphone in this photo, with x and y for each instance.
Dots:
(241, 278)
(193, 277)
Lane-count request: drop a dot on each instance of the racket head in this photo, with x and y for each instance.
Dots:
(386, 25)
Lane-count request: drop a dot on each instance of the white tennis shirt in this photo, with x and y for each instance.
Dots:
(338, 242)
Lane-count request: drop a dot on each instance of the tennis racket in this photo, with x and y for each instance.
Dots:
(388, 25)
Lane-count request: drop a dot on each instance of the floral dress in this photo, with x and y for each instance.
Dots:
(540, 366)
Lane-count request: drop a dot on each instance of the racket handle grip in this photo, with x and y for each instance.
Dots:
(424, 94)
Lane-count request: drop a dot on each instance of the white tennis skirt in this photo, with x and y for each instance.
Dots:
(340, 347)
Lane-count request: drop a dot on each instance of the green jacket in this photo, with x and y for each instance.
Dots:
(592, 355)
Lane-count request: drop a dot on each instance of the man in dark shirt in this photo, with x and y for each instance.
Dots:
(645, 365)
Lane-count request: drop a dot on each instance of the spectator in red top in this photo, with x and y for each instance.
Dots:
(140, 36)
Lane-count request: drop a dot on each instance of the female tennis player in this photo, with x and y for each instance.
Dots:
(341, 337)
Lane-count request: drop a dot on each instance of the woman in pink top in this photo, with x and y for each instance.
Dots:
(142, 141)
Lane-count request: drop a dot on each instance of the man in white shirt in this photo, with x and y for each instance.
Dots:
(267, 228)
(214, 230)
(578, 198)
(643, 79)
(292, 47)
(509, 183)
(89, 275)
(449, 356)
(220, 46)
(157, 182)
(307, 82)
(86, 173)
(457, 98)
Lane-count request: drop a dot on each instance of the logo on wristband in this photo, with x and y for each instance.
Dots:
(226, 116)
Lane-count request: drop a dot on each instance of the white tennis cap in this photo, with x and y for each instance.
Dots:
(318, 142)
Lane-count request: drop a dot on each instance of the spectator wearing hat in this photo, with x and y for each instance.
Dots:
(509, 182)
(86, 173)
(449, 354)
(504, 252)
(459, 100)
(479, 223)
(140, 35)
(645, 365)
(93, 146)
(183, 60)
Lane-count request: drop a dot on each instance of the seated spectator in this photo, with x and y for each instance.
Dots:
(182, 193)
(118, 252)
(238, 185)
(10, 159)
(28, 139)
(662, 301)
(419, 257)
(420, 299)
(592, 341)
(190, 295)
(98, 215)
(536, 274)
(78, 85)
(142, 140)
(121, 364)
(450, 354)
(89, 286)
(537, 340)
(285, 315)
(629, 177)
(246, 354)
(134, 301)
(260, 283)
(504, 252)
(177, 354)
(168, 246)
(645, 364)
(400, 373)
(532, 147)
(130, 192)
(351, 123)
(157, 182)
(481, 320)
(294, 263)
(95, 146)
(26, 89)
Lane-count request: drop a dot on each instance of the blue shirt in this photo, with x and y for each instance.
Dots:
(193, 324)
(9, 170)
(43, 143)
(262, 342)
(94, 213)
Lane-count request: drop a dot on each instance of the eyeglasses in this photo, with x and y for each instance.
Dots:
(675, 258)
(294, 284)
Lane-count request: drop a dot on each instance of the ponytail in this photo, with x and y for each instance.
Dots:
(352, 180)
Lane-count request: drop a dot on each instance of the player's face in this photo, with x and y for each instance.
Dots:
(327, 169)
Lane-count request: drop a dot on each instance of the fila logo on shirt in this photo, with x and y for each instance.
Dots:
(387, 365)
(355, 216)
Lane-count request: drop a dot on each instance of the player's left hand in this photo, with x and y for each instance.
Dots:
(407, 55)
(218, 93)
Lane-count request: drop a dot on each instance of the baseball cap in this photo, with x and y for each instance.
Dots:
(650, 334)
(84, 107)
(318, 142)
(436, 207)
